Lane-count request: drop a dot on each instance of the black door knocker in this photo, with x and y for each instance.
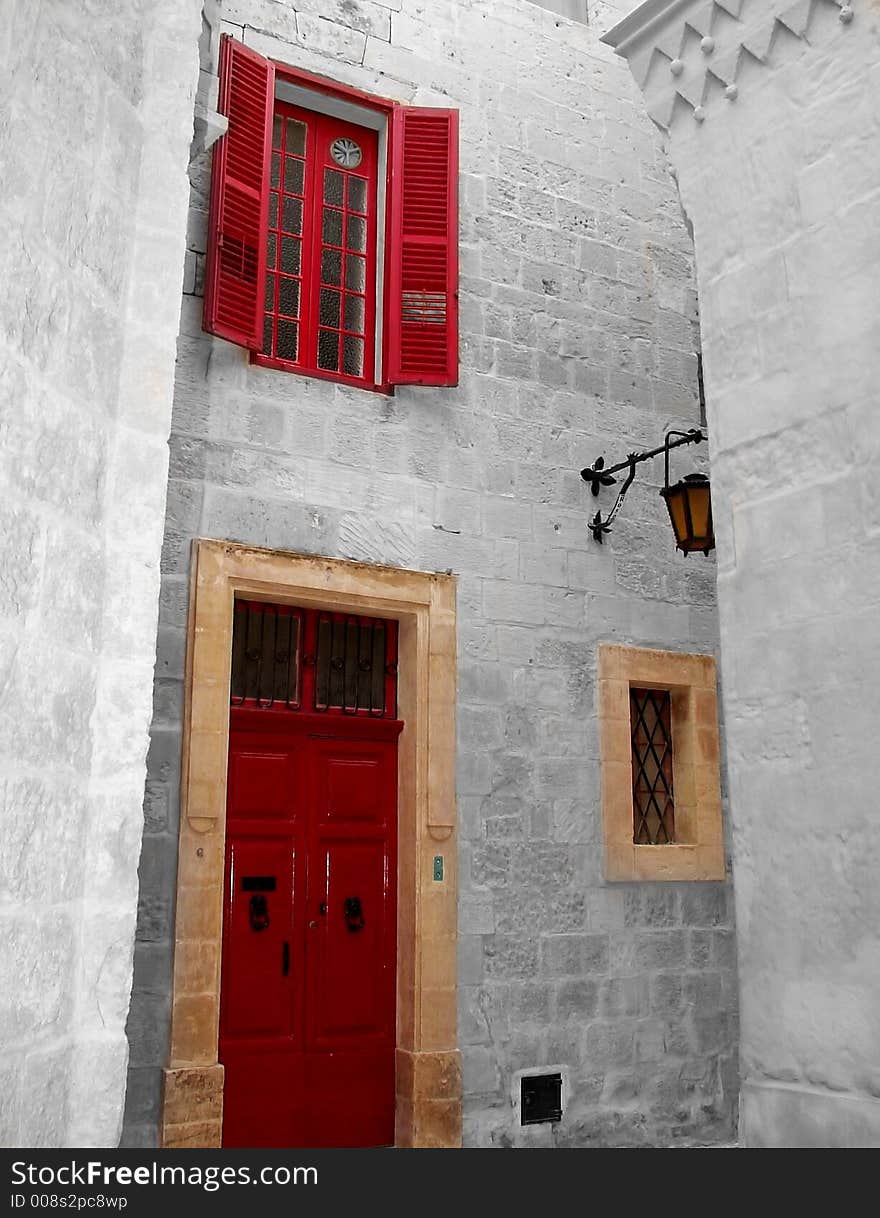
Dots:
(259, 912)
(354, 914)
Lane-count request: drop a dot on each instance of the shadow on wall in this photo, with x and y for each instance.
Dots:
(575, 10)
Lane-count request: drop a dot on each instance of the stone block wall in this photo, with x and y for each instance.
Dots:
(774, 129)
(95, 125)
(578, 337)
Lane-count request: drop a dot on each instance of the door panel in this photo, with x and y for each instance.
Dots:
(348, 970)
(259, 924)
(351, 1099)
(307, 1034)
(262, 783)
(353, 780)
(353, 788)
(258, 1097)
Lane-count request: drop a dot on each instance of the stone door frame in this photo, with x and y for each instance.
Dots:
(428, 1070)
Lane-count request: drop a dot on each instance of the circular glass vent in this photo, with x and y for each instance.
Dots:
(346, 152)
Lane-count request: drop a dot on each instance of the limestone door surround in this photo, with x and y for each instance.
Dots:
(428, 1108)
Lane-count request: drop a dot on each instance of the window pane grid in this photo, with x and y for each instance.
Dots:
(281, 337)
(318, 306)
(653, 799)
(342, 310)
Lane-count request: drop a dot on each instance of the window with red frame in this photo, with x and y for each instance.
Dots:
(321, 246)
(292, 267)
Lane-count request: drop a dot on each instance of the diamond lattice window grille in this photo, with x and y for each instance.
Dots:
(653, 801)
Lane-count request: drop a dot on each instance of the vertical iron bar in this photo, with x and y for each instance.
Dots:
(251, 669)
(309, 661)
(237, 682)
(261, 699)
(262, 617)
(323, 635)
(293, 661)
(391, 675)
(377, 666)
(363, 663)
(350, 627)
(281, 685)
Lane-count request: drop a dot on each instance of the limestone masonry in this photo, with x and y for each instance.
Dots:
(578, 336)
(633, 183)
(780, 177)
(95, 122)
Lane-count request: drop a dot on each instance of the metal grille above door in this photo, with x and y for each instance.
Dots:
(266, 655)
(293, 659)
(653, 801)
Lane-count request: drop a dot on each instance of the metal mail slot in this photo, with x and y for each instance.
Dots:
(258, 883)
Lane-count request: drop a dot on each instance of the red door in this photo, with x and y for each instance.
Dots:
(307, 1023)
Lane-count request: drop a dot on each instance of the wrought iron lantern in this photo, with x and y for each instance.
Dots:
(690, 510)
(688, 502)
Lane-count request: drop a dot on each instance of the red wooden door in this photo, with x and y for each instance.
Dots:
(307, 1022)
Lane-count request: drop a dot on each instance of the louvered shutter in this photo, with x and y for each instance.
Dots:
(235, 276)
(422, 264)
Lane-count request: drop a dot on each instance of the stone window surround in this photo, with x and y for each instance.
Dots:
(428, 1070)
(698, 853)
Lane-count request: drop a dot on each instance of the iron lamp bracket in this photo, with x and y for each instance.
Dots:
(598, 476)
(597, 526)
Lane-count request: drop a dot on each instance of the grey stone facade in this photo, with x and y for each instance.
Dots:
(578, 337)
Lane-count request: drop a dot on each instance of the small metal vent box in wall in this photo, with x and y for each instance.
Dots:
(541, 1099)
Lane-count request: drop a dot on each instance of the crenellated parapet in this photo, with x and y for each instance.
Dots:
(690, 55)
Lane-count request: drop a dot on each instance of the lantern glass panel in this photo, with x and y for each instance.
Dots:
(700, 510)
(690, 510)
(675, 501)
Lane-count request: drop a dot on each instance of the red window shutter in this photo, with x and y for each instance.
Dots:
(422, 298)
(235, 276)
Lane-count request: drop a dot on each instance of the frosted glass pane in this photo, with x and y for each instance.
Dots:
(357, 194)
(293, 176)
(288, 297)
(357, 234)
(355, 273)
(329, 308)
(296, 137)
(331, 231)
(328, 350)
(331, 267)
(292, 216)
(288, 335)
(354, 313)
(353, 356)
(290, 255)
(334, 187)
